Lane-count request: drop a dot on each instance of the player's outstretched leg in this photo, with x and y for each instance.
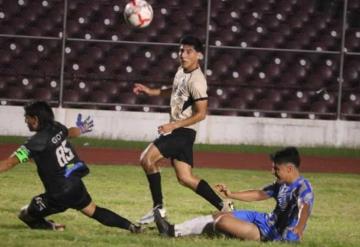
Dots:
(109, 218)
(200, 186)
(195, 226)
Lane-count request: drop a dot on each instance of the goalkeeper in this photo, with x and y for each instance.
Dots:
(60, 170)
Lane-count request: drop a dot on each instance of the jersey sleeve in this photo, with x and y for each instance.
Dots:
(37, 142)
(22, 153)
(271, 190)
(306, 194)
(198, 89)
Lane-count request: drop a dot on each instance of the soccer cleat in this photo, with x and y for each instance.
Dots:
(165, 228)
(228, 206)
(135, 228)
(149, 217)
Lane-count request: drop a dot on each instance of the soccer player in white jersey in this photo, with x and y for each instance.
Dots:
(188, 107)
(294, 201)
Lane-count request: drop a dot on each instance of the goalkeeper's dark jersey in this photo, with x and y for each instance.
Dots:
(52, 152)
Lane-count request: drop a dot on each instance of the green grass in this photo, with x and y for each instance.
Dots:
(93, 142)
(335, 219)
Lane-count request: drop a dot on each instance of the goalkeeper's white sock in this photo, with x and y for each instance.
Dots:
(194, 226)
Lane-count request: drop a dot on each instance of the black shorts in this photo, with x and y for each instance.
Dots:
(73, 195)
(177, 145)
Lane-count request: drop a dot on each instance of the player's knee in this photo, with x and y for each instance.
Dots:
(37, 207)
(89, 210)
(145, 162)
(181, 181)
(24, 215)
(220, 221)
(218, 215)
(186, 181)
(148, 165)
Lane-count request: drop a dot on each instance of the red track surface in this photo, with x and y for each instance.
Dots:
(94, 155)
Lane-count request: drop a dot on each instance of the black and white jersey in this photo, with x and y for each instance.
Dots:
(187, 88)
(51, 152)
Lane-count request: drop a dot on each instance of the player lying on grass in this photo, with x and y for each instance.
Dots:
(294, 200)
(60, 170)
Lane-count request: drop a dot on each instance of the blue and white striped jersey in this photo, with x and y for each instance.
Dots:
(289, 200)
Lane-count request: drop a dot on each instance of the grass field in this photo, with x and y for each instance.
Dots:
(335, 219)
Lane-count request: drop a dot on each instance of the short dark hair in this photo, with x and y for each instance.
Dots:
(42, 111)
(286, 155)
(192, 40)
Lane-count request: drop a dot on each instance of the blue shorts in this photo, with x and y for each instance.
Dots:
(267, 231)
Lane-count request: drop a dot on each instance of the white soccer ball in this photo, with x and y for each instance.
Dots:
(138, 13)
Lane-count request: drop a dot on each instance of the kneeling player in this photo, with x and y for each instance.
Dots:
(60, 171)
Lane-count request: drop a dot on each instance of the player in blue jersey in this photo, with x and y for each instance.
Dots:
(60, 170)
(294, 201)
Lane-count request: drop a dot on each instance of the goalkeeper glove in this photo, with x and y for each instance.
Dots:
(86, 125)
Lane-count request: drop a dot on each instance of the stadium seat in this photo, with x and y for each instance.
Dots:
(285, 80)
(238, 103)
(14, 92)
(214, 102)
(126, 98)
(71, 95)
(291, 106)
(98, 96)
(42, 94)
(156, 101)
(271, 21)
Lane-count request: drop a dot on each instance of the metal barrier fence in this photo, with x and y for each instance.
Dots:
(231, 30)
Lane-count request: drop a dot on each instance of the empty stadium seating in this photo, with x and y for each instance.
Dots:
(265, 58)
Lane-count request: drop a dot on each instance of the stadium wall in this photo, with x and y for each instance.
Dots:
(140, 126)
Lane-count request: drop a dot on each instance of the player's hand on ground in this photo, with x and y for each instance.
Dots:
(85, 125)
(223, 190)
(140, 88)
(298, 231)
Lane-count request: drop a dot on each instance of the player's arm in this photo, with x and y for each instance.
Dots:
(199, 114)
(247, 196)
(74, 132)
(141, 88)
(82, 126)
(21, 155)
(8, 163)
(304, 216)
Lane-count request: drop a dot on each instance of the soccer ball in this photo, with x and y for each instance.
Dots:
(138, 13)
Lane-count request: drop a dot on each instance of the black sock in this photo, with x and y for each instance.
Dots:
(109, 218)
(172, 230)
(208, 193)
(155, 188)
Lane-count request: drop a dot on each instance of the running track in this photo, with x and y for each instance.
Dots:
(112, 156)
